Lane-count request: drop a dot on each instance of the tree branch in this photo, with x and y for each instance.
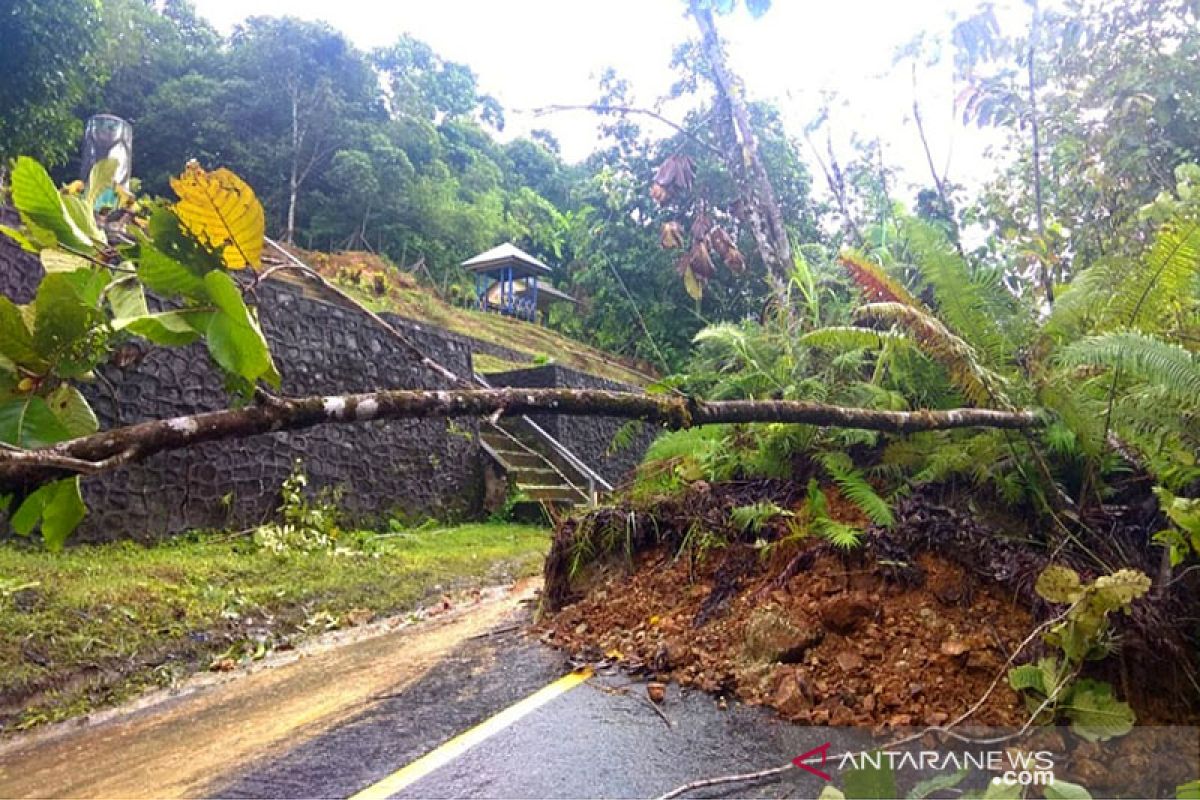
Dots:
(605, 108)
(106, 450)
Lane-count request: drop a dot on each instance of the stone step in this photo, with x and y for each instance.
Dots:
(552, 494)
(540, 475)
(521, 460)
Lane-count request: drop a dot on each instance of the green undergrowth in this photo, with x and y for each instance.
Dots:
(96, 624)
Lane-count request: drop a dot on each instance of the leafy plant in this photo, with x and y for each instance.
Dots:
(1051, 684)
(94, 297)
(754, 517)
(839, 534)
(1184, 538)
(306, 524)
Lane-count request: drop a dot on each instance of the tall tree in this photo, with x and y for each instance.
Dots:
(310, 85)
(47, 58)
(760, 207)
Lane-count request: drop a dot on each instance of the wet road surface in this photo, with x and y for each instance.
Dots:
(336, 722)
(601, 739)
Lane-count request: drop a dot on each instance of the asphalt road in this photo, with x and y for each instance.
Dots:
(600, 739)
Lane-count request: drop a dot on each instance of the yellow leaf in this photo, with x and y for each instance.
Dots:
(220, 210)
(692, 284)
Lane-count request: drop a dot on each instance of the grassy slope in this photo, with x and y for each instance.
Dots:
(522, 336)
(399, 294)
(96, 624)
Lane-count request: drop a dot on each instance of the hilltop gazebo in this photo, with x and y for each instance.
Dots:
(506, 281)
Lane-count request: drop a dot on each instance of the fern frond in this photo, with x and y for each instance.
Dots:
(689, 441)
(970, 303)
(1164, 281)
(877, 286)
(725, 335)
(1145, 358)
(1147, 293)
(855, 488)
(1079, 404)
(624, 436)
(839, 534)
(847, 337)
(753, 517)
(980, 385)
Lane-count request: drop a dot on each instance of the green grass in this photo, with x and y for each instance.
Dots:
(96, 624)
(533, 340)
(486, 364)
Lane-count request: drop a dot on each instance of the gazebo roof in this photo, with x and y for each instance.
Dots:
(507, 255)
(545, 294)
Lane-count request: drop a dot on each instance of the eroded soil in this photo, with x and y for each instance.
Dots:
(837, 642)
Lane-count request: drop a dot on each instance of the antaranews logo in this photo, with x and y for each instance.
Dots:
(1010, 767)
(799, 761)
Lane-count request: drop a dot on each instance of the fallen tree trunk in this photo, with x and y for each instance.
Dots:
(110, 449)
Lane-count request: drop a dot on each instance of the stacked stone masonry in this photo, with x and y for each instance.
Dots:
(414, 468)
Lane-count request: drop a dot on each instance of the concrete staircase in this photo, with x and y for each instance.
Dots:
(529, 472)
(536, 464)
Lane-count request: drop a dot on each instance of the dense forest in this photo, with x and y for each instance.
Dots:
(396, 150)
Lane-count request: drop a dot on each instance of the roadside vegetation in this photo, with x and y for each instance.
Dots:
(97, 624)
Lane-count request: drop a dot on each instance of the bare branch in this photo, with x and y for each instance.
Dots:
(605, 108)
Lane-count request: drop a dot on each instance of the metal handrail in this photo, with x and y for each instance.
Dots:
(593, 478)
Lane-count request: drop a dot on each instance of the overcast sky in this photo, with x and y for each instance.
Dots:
(531, 53)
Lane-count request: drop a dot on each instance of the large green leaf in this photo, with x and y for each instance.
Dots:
(169, 328)
(234, 338)
(55, 260)
(41, 206)
(89, 285)
(63, 325)
(16, 340)
(84, 218)
(1095, 714)
(173, 240)
(28, 422)
(127, 299)
(57, 506)
(163, 274)
(72, 410)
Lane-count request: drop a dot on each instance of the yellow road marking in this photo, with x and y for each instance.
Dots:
(410, 774)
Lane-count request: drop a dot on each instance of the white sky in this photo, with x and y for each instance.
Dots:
(531, 53)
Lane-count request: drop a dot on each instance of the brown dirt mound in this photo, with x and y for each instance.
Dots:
(933, 606)
(367, 271)
(838, 642)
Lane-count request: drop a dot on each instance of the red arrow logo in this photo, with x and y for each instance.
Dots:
(799, 760)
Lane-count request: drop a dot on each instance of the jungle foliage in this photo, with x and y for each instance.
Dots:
(394, 150)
